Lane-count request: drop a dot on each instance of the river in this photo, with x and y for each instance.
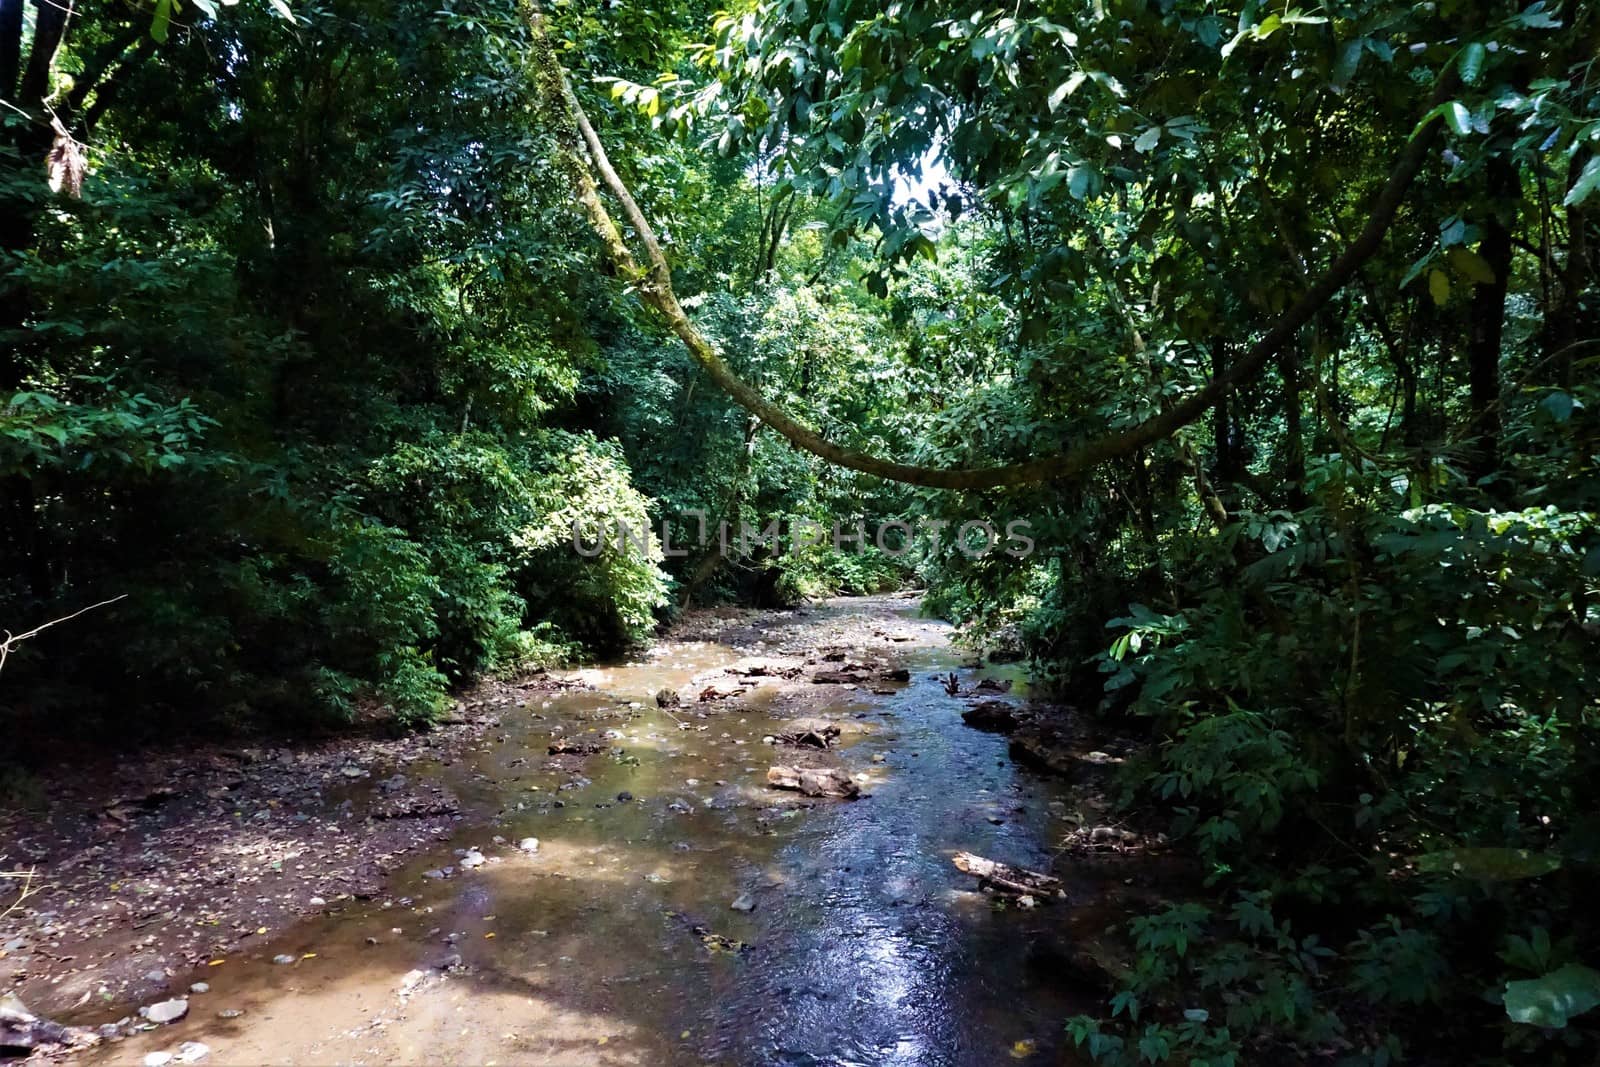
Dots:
(616, 942)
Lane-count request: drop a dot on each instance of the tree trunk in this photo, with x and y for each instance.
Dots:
(1221, 423)
(1294, 448)
(1486, 318)
(1568, 321)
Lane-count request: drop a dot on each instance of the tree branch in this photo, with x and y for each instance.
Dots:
(654, 286)
(10, 642)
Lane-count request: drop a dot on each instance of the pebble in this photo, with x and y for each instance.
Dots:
(317, 902)
(200, 987)
(283, 959)
(229, 1013)
(193, 1051)
(624, 796)
(434, 874)
(472, 859)
(529, 844)
(158, 1059)
(743, 902)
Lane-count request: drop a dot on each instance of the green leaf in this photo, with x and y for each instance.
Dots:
(1553, 999)
(1082, 181)
(282, 8)
(1489, 864)
(1586, 183)
(1560, 405)
(162, 21)
(1470, 265)
(1059, 95)
(1471, 62)
(1459, 118)
(1438, 287)
(1147, 140)
(1344, 68)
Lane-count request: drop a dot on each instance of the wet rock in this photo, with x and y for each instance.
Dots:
(991, 685)
(896, 674)
(22, 1030)
(624, 797)
(813, 782)
(743, 902)
(433, 875)
(472, 859)
(230, 1013)
(167, 1011)
(1044, 748)
(416, 804)
(529, 844)
(565, 746)
(993, 716)
(667, 698)
(283, 960)
(848, 676)
(200, 987)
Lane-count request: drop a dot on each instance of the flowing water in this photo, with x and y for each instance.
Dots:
(615, 942)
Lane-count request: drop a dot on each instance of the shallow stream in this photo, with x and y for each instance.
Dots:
(616, 942)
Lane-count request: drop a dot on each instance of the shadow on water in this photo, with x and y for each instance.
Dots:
(615, 942)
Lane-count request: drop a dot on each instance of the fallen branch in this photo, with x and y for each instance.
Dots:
(28, 889)
(653, 283)
(1017, 881)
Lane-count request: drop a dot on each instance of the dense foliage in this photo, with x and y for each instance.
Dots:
(308, 352)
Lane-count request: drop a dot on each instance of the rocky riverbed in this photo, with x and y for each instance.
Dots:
(744, 847)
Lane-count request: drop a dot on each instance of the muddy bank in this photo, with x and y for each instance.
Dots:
(611, 873)
(153, 863)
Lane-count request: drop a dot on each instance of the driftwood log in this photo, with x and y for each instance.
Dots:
(1014, 881)
(813, 782)
(809, 734)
